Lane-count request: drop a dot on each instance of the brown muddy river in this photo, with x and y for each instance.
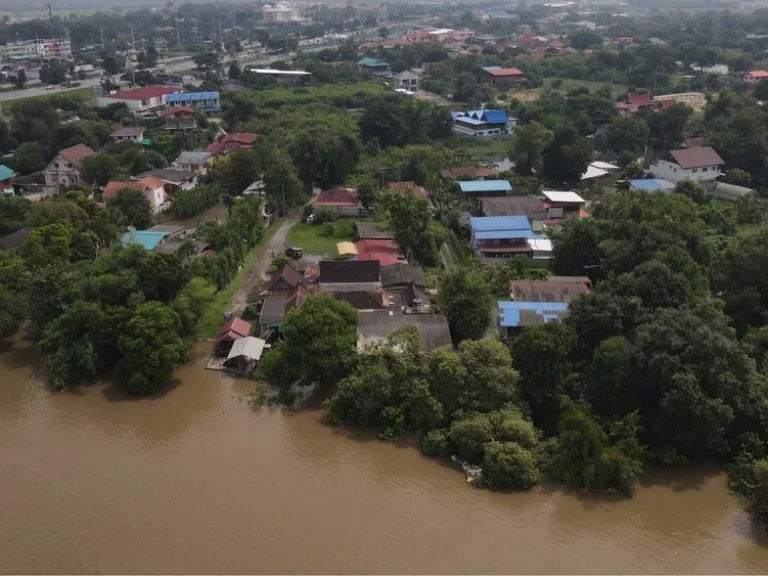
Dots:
(195, 481)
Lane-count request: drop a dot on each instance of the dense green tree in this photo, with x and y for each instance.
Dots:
(325, 149)
(34, 120)
(101, 168)
(411, 221)
(29, 157)
(151, 347)
(466, 300)
(627, 134)
(134, 207)
(542, 356)
(14, 212)
(319, 345)
(508, 465)
(566, 157)
(528, 145)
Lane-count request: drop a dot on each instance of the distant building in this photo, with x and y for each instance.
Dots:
(474, 172)
(233, 142)
(484, 123)
(497, 76)
(128, 134)
(406, 80)
(343, 201)
(64, 169)
(179, 118)
(700, 164)
(755, 76)
(373, 65)
(733, 192)
(40, 49)
(140, 101)
(206, 101)
(280, 12)
(563, 204)
(484, 188)
(174, 179)
(284, 76)
(196, 162)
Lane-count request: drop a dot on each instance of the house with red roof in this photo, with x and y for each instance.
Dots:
(179, 118)
(234, 330)
(64, 170)
(701, 164)
(343, 201)
(233, 142)
(152, 187)
(144, 101)
(387, 252)
(635, 102)
(403, 187)
(755, 76)
(496, 75)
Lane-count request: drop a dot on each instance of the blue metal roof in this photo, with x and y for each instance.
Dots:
(470, 120)
(487, 223)
(510, 312)
(477, 186)
(645, 184)
(148, 239)
(371, 62)
(6, 173)
(192, 96)
(496, 116)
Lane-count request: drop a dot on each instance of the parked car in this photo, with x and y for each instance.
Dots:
(294, 252)
(50, 87)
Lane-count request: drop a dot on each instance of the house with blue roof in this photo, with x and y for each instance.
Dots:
(148, 239)
(501, 236)
(6, 179)
(484, 123)
(205, 101)
(484, 188)
(514, 316)
(651, 185)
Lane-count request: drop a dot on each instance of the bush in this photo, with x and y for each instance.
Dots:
(436, 443)
(508, 465)
(329, 230)
(323, 215)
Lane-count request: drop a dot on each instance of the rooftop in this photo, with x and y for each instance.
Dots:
(144, 93)
(171, 175)
(696, 157)
(196, 158)
(479, 186)
(652, 184)
(272, 72)
(337, 197)
(520, 314)
(554, 289)
(6, 173)
(128, 131)
(15, 239)
(468, 172)
(234, 330)
(528, 206)
(402, 273)
(192, 96)
(366, 230)
(350, 271)
(248, 347)
(371, 63)
(146, 238)
(377, 327)
(497, 72)
(565, 197)
(501, 228)
(76, 154)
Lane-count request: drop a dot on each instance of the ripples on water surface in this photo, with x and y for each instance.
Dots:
(195, 481)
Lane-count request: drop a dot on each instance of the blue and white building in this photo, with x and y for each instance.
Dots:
(205, 101)
(484, 123)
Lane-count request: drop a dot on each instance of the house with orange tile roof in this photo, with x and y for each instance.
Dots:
(152, 187)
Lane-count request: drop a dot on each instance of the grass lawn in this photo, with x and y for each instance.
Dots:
(7, 105)
(209, 322)
(591, 85)
(312, 239)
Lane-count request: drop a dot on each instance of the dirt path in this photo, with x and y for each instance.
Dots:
(258, 272)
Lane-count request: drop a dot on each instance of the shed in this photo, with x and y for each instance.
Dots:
(245, 353)
(485, 187)
(732, 191)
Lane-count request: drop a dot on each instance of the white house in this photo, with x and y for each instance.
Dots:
(65, 169)
(406, 80)
(700, 164)
(153, 189)
(140, 101)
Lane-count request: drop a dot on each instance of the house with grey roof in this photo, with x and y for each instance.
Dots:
(128, 134)
(196, 162)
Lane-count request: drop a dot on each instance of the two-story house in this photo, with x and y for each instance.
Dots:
(563, 204)
(484, 123)
(233, 142)
(65, 169)
(153, 189)
(406, 80)
(501, 236)
(755, 76)
(700, 164)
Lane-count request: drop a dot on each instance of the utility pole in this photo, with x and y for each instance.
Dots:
(178, 38)
(101, 30)
(133, 41)
(50, 15)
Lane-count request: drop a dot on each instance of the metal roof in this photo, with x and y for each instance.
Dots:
(6, 173)
(651, 184)
(279, 72)
(470, 120)
(517, 314)
(696, 157)
(249, 347)
(146, 238)
(197, 158)
(504, 234)
(555, 196)
(485, 186)
(497, 223)
(192, 96)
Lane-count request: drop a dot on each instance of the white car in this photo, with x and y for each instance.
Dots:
(51, 87)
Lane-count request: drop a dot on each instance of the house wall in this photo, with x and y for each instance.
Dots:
(407, 84)
(674, 173)
(134, 106)
(134, 138)
(60, 173)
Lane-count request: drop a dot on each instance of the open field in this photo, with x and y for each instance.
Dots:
(312, 239)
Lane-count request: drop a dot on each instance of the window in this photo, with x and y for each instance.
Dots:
(695, 170)
(56, 165)
(69, 165)
(144, 102)
(704, 169)
(675, 169)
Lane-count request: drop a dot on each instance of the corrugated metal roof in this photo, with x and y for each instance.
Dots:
(470, 120)
(249, 347)
(517, 314)
(6, 173)
(652, 184)
(496, 223)
(192, 96)
(485, 186)
(495, 116)
(149, 240)
(557, 196)
(504, 234)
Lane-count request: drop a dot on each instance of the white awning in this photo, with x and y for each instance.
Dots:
(249, 347)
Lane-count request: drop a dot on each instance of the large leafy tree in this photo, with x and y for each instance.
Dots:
(134, 207)
(326, 149)
(528, 145)
(151, 347)
(466, 300)
(320, 343)
(411, 221)
(566, 157)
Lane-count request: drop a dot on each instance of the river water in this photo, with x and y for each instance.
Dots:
(196, 481)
